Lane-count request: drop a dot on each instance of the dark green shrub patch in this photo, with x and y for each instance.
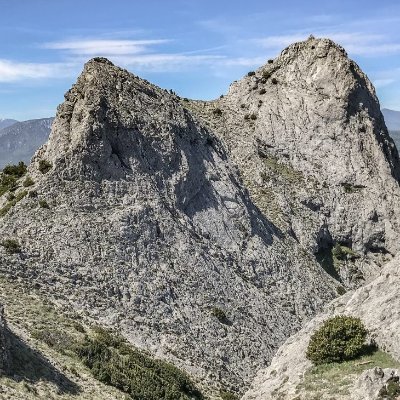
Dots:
(44, 166)
(339, 339)
(114, 362)
(12, 246)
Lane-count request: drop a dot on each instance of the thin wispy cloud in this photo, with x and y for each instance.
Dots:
(104, 47)
(145, 55)
(11, 71)
(355, 43)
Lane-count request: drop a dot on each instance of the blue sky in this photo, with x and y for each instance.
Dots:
(196, 48)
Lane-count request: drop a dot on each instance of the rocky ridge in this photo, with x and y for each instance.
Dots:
(139, 218)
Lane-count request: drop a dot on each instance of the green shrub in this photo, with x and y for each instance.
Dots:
(251, 73)
(262, 91)
(15, 170)
(274, 81)
(219, 314)
(12, 246)
(217, 111)
(270, 61)
(340, 338)
(7, 182)
(253, 117)
(343, 253)
(44, 166)
(20, 196)
(266, 74)
(227, 395)
(28, 182)
(43, 204)
(114, 362)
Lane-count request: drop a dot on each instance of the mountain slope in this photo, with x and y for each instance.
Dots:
(377, 304)
(310, 141)
(149, 229)
(19, 141)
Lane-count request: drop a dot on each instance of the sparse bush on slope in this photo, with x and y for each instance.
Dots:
(340, 338)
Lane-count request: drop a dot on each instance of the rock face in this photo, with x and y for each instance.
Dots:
(4, 344)
(140, 218)
(20, 141)
(378, 306)
(150, 230)
(308, 136)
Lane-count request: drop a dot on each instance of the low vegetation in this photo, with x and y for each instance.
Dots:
(219, 314)
(9, 177)
(339, 339)
(44, 166)
(11, 246)
(91, 357)
(326, 381)
(114, 362)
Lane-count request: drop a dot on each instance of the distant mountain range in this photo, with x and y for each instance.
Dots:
(4, 123)
(20, 140)
(392, 119)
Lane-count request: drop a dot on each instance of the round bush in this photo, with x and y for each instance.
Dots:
(340, 338)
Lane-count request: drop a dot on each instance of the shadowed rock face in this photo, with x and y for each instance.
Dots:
(4, 344)
(152, 229)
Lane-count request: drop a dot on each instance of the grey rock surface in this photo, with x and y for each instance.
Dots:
(378, 306)
(21, 140)
(370, 383)
(308, 136)
(150, 230)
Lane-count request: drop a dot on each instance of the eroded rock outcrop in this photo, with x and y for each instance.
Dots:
(193, 226)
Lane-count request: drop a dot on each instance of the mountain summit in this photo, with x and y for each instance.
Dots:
(206, 232)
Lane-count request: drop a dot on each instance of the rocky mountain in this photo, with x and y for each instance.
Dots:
(19, 141)
(148, 228)
(206, 233)
(4, 122)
